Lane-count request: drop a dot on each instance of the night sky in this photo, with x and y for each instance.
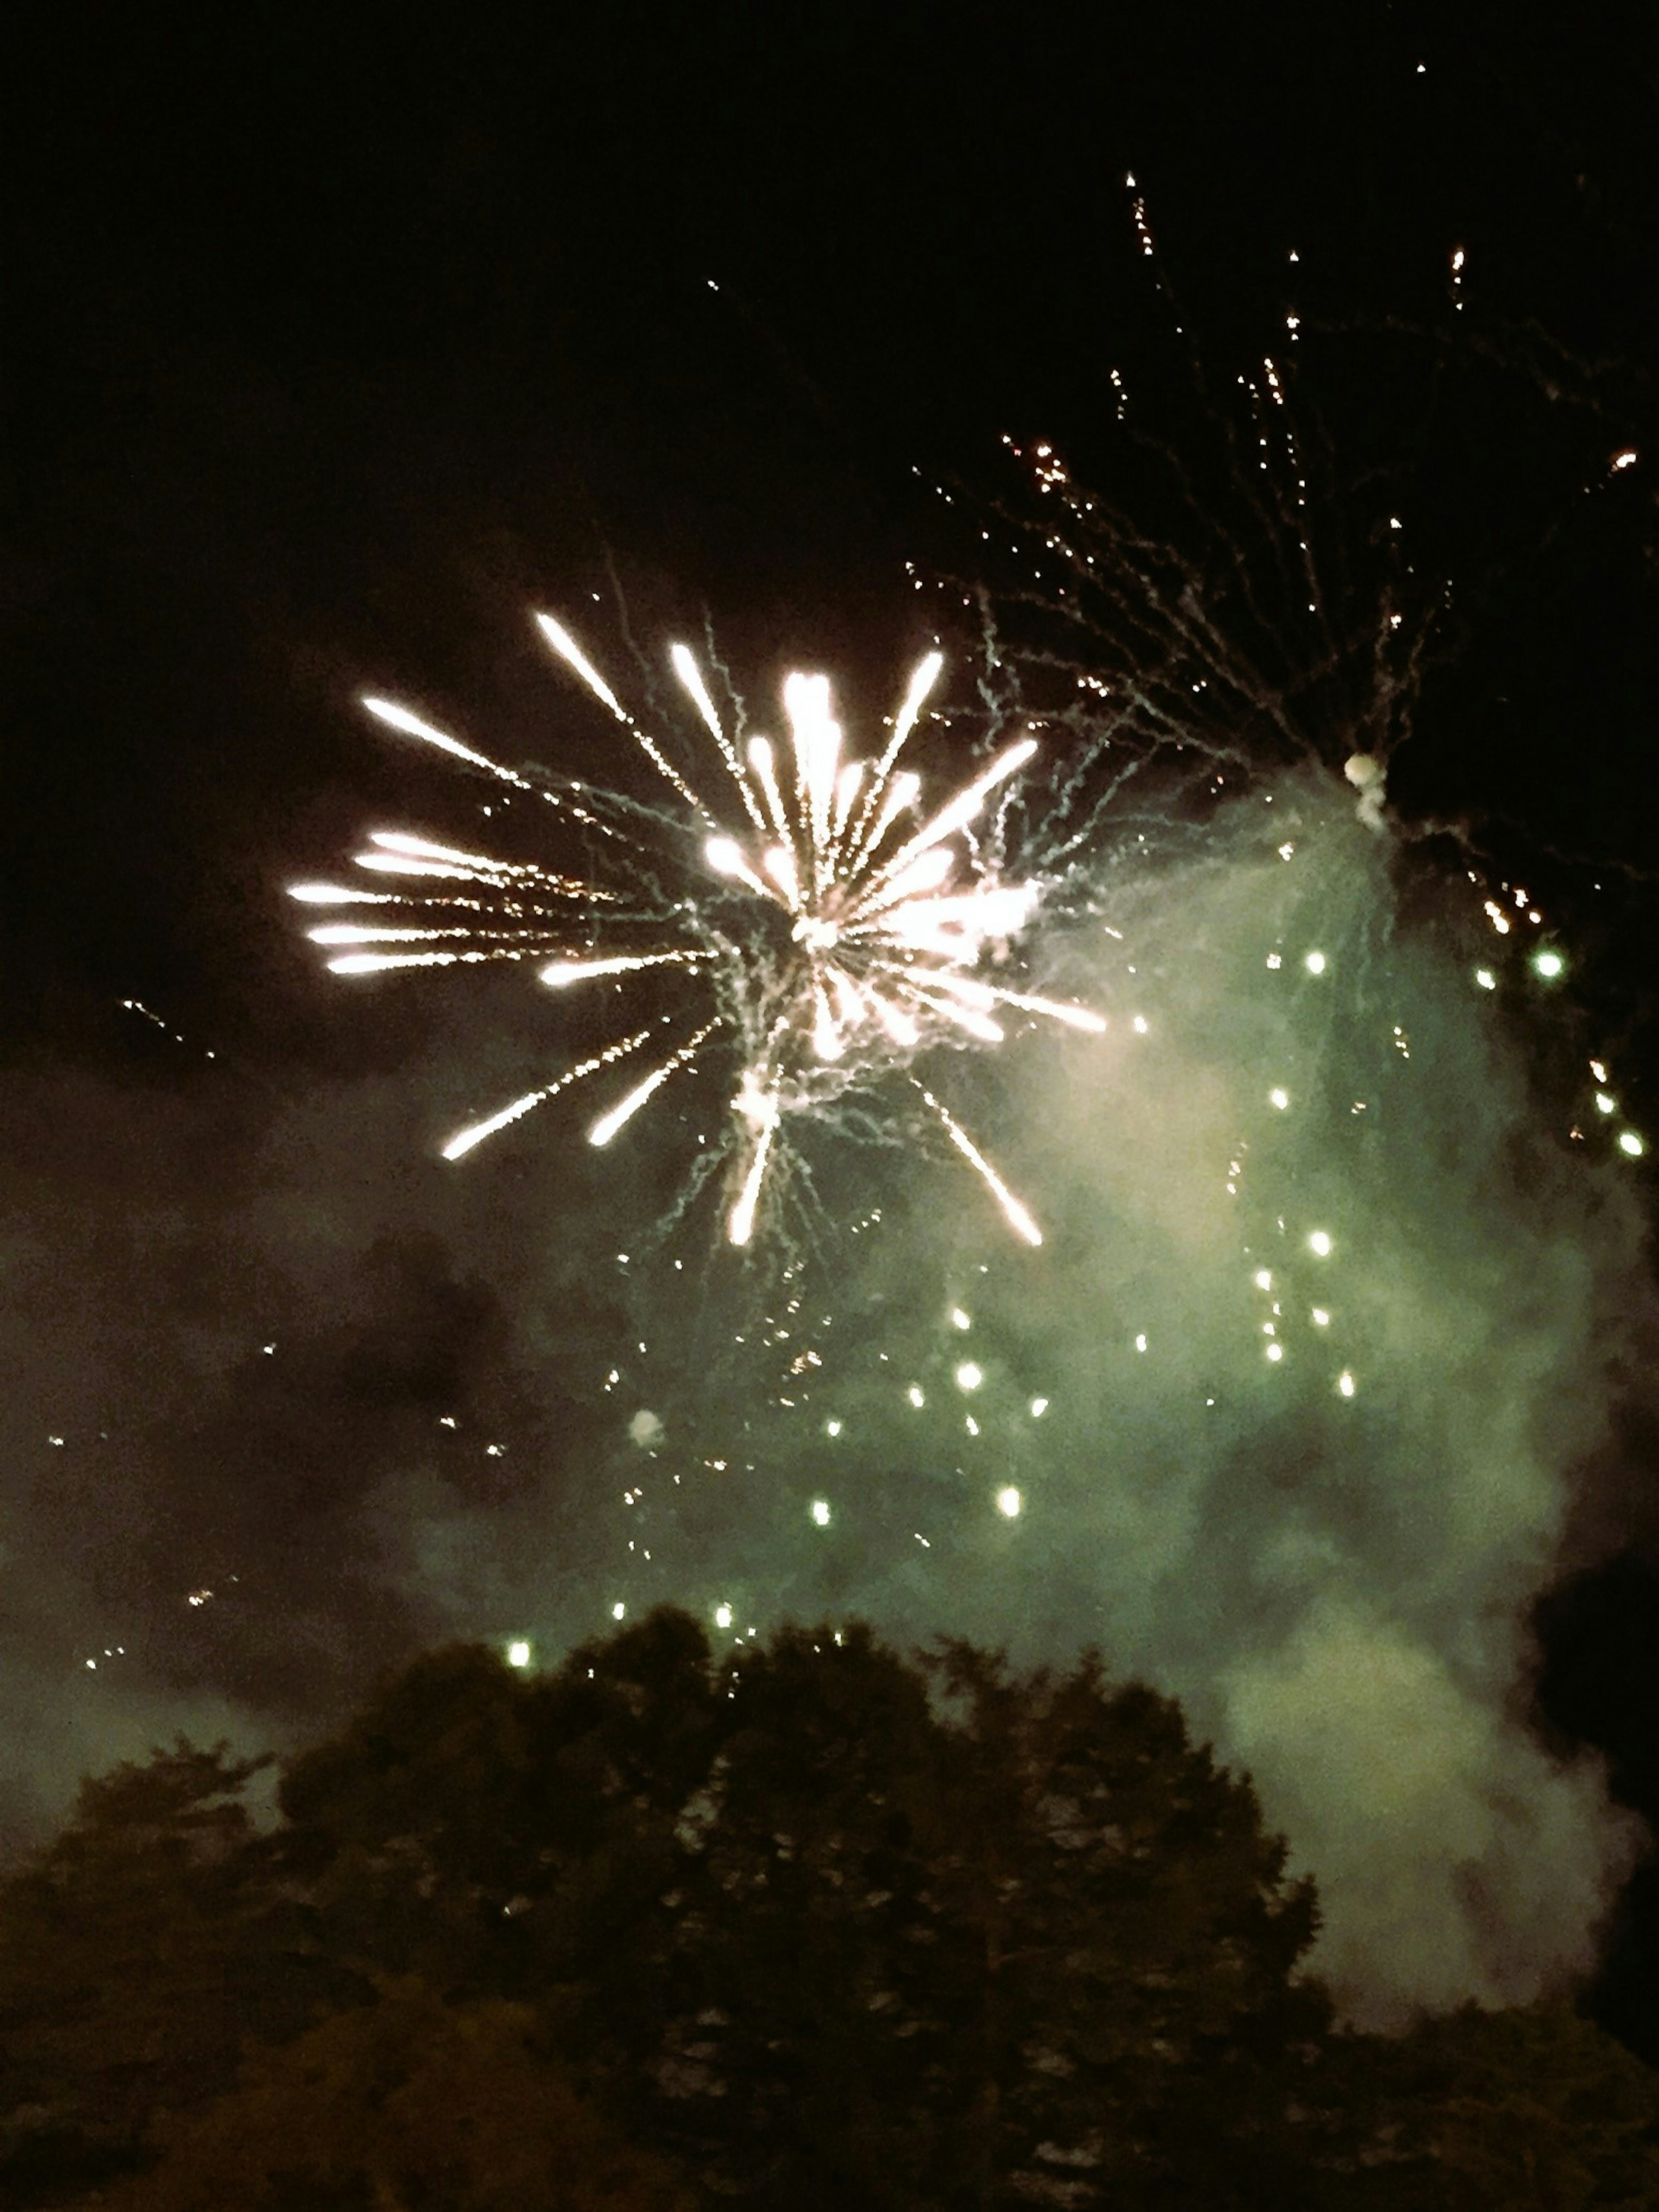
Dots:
(335, 346)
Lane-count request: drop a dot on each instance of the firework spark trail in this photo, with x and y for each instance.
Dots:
(922, 680)
(559, 974)
(399, 718)
(572, 654)
(464, 1140)
(685, 667)
(608, 1124)
(763, 1109)
(1018, 1219)
(881, 936)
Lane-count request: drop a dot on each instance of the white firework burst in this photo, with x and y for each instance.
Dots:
(838, 928)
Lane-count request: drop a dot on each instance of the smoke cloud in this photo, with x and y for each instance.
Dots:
(509, 1395)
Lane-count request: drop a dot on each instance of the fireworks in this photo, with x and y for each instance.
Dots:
(832, 928)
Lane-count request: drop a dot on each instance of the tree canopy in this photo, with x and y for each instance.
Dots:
(403, 2104)
(810, 1923)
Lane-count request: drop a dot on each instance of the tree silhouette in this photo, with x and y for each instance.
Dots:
(812, 1924)
(404, 2104)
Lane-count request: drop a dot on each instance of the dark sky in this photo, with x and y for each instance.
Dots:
(333, 341)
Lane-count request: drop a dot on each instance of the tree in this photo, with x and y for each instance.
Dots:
(404, 2104)
(1533, 2110)
(837, 1927)
(136, 1952)
(816, 1923)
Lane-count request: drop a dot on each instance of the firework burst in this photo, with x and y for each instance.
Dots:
(832, 929)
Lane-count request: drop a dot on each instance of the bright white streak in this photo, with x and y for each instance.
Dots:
(923, 676)
(558, 975)
(399, 718)
(493, 876)
(976, 993)
(423, 848)
(826, 1037)
(778, 862)
(465, 1140)
(347, 933)
(896, 1023)
(817, 745)
(608, 1124)
(685, 667)
(847, 790)
(962, 809)
(1018, 1219)
(332, 895)
(395, 864)
(1077, 1018)
(965, 1018)
(900, 793)
(725, 856)
(370, 963)
(760, 759)
(742, 1224)
(999, 912)
(850, 1009)
(924, 874)
(576, 660)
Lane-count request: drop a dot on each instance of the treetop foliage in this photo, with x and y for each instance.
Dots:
(810, 1923)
